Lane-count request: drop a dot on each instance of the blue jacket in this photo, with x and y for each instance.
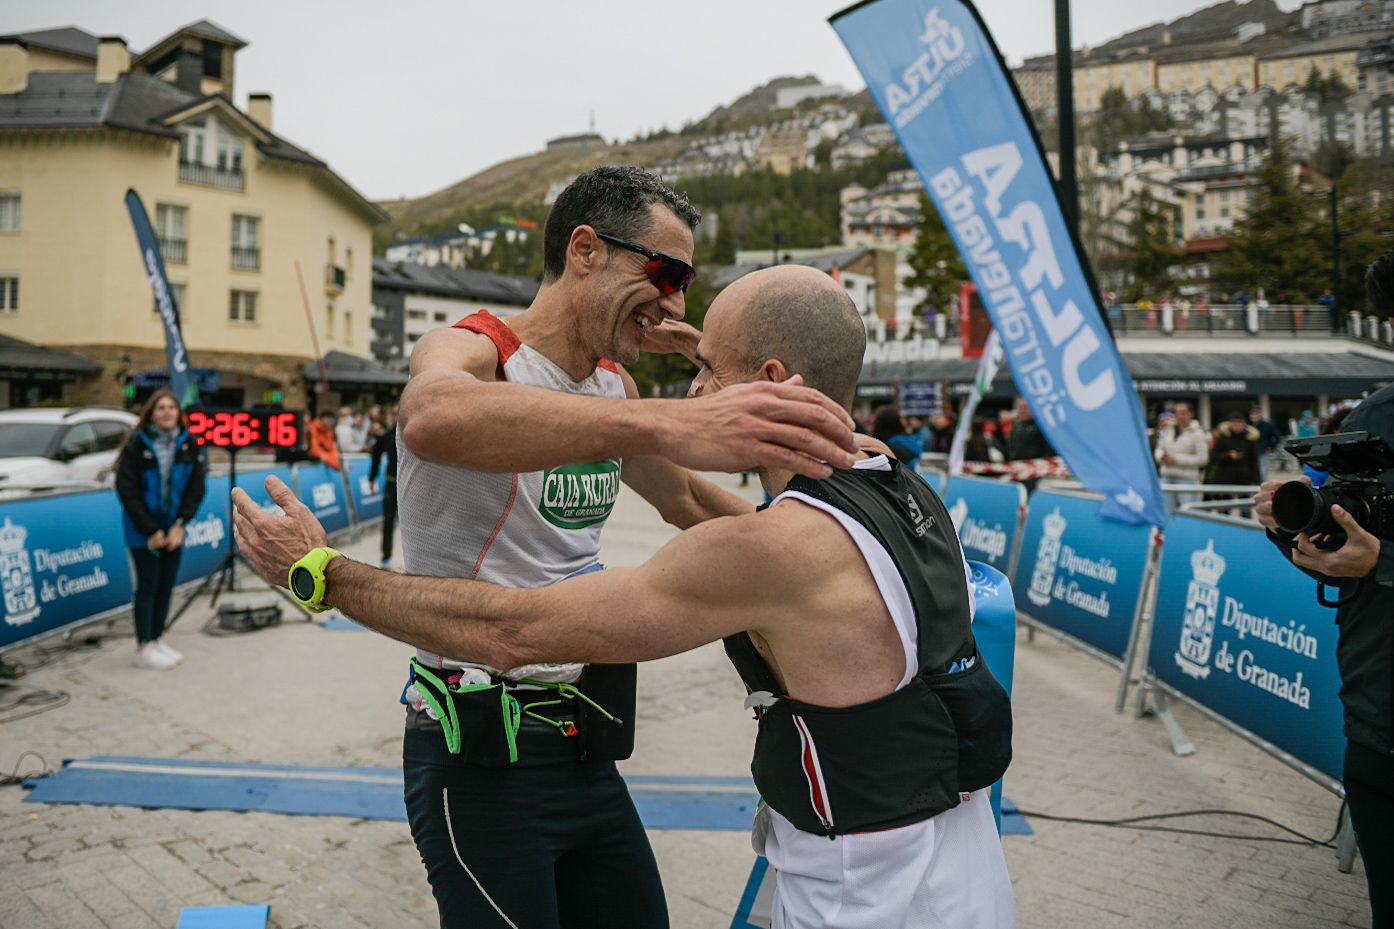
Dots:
(138, 486)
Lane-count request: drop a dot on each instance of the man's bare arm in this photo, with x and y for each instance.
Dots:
(681, 497)
(725, 576)
(709, 582)
(453, 412)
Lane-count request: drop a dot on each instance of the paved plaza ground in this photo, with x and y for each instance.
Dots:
(299, 694)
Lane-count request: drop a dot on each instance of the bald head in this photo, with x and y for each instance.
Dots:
(800, 317)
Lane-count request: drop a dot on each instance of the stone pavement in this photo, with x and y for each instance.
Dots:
(299, 694)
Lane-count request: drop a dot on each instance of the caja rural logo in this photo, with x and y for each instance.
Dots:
(579, 495)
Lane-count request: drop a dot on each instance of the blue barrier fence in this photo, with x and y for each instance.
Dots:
(64, 561)
(1080, 573)
(1238, 630)
(987, 515)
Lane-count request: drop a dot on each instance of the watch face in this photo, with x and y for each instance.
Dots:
(302, 583)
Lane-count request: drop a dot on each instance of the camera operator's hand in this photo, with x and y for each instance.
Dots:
(1356, 558)
(1263, 502)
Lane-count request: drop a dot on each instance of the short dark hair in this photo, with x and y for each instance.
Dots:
(814, 328)
(614, 199)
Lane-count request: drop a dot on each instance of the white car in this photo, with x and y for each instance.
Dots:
(55, 447)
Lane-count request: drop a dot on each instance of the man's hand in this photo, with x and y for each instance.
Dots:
(760, 425)
(1263, 501)
(1356, 558)
(174, 539)
(156, 540)
(273, 543)
(673, 338)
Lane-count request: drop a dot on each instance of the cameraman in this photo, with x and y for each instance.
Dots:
(1363, 570)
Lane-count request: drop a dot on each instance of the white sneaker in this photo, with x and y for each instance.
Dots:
(151, 658)
(169, 650)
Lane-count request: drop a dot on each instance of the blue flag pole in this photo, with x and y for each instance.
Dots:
(934, 71)
(181, 379)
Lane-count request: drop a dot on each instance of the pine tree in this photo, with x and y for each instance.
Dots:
(1150, 239)
(1279, 245)
(934, 261)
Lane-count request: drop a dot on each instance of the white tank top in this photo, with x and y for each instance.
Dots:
(526, 529)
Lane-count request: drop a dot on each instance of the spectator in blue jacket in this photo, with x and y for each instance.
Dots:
(160, 482)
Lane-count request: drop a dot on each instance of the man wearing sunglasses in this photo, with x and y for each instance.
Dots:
(850, 592)
(514, 436)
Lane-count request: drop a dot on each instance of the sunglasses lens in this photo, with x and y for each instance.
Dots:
(667, 274)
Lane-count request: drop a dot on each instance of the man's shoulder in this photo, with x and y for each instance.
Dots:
(447, 348)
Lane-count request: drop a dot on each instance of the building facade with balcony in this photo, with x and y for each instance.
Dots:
(240, 213)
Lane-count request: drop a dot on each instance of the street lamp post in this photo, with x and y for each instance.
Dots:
(1337, 314)
(1065, 113)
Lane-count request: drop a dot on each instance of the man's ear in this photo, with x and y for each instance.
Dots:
(774, 371)
(585, 252)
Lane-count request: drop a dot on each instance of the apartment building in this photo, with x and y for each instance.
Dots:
(243, 216)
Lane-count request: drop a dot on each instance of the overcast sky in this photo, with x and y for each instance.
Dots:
(410, 96)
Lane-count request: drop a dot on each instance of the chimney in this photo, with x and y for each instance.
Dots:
(14, 65)
(259, 109)
(883, 271)
(188, 73)
(113, 58)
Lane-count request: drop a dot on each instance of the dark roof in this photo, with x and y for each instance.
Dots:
(343, 368)
(1262, 372)
(69, 40)
(208, 29)
(204, 29)
(135, 101)
(461, 283)
(18, 355)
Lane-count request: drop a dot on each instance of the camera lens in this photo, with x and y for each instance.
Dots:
(1295, 507)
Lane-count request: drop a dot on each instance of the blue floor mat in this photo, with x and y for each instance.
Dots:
(663, 802)
(243, 916)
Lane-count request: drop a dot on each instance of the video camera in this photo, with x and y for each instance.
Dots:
(1362, 482)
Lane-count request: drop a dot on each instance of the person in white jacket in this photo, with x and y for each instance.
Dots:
(1182, 451)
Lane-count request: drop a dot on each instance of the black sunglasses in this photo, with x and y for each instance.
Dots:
(665, 272)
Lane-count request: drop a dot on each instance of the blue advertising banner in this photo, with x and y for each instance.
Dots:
(321, 488)
(934, 71)
(366, 503)
(986, 515)
(181, 379)
(208, 535)
(994, 628)
(62, 559)
(1239, 630)
(253, 481)
(1079, 572)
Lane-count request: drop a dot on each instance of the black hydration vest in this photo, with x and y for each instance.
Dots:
(905, 757)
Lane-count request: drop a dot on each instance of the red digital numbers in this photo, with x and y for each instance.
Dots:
(246, 428)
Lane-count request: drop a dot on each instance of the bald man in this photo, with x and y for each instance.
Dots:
(850, 592)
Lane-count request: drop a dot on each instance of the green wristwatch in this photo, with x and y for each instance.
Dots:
(306, 578)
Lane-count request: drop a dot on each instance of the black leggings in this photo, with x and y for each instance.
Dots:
(155, 573)
(551, 846)
(1369, 780)
(389, 517)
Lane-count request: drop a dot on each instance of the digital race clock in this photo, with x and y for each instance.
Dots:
(247, 428)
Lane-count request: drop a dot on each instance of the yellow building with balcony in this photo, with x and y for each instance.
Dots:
(242, 216)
